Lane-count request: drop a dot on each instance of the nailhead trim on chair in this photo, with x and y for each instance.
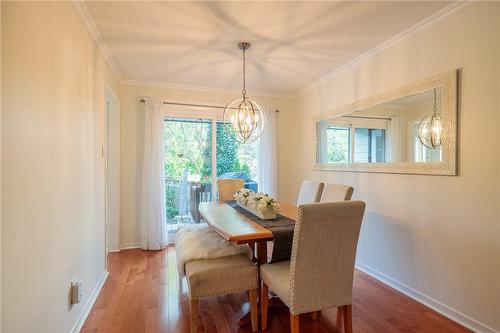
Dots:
(293, 256)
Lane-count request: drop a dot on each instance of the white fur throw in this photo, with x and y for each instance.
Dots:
(198, 241)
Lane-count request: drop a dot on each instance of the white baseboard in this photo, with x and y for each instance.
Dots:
(86, 309)
(127, 246)
(443, 309)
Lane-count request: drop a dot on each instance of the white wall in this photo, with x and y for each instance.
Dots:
(132, 123)
(437, 235)
(1, 108)
(53, 84)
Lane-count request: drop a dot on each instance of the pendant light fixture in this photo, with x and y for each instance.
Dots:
(430, 128)
(243, 118)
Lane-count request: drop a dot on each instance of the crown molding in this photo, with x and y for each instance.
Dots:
(91, 27)
(429, 20)
(170, 85)
(89, 23)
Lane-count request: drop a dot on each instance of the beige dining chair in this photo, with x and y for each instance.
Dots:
(320, 273)
(219, 276)
(310, 192)
(228, 187)
(336, 192)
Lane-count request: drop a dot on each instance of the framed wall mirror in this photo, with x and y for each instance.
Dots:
(410, 130)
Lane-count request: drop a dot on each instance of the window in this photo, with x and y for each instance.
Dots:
(238, 159)
(369, 145)
(352, 144)
(339, 142)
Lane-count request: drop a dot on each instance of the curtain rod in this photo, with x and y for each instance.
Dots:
(142, 100)
(379, 118)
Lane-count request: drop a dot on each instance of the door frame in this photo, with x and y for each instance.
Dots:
(110, 97)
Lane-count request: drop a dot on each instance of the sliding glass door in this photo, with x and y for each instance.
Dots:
(196, 149)
(188, 168)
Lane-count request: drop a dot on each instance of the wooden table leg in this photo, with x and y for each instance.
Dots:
(261, 253)
(261, 259)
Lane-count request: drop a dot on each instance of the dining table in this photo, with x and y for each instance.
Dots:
(238, 228)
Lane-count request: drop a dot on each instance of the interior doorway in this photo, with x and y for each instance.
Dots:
(111, 151)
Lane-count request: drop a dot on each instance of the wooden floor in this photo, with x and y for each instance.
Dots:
(142, 294)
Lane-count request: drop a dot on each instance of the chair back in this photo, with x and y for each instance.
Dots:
(228, 187)
(323, 255)
(310, 192)
(336, 192)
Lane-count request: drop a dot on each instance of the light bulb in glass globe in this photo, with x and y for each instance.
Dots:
(246, 120)
(430, 131)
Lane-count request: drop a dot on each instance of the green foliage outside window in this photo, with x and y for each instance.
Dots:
(184, 142)
(188, 144)
(226, 152)
(338, 144)
(171, 202)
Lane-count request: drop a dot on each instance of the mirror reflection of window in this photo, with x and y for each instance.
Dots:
(384, 133)
(339, 143)
(369, 145)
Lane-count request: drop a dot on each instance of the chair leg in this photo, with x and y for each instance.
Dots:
(294, 323)
(254, 312)
(347, 310)
(264, 300)
(315, 315)
(193, 315)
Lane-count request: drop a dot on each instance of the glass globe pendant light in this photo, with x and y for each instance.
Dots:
(243, 118)
(430, 129)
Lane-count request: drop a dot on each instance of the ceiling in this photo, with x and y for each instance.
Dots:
(293, 43)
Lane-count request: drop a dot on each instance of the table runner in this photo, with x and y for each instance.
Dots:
(281, 228)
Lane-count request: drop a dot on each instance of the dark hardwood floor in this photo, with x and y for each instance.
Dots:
(142, 295)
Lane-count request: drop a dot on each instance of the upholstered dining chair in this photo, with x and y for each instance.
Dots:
(320, 273)
(336, 192)
(228, 187)
(218, 276)
(310, 192)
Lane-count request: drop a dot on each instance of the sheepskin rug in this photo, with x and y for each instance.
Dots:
(198, 241)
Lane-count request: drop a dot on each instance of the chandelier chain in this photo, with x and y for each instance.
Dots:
(244, 91)
(435, 107)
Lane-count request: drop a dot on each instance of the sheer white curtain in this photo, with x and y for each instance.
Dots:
(322, 135)
(153, 219)
(268, 164)
(393, 145)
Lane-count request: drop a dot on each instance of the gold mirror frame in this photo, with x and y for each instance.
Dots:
(447, 82)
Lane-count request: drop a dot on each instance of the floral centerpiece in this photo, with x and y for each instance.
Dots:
(258, 203)
(242, 196)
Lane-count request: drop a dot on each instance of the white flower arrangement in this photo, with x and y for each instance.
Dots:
(242, 195)
(257, 200)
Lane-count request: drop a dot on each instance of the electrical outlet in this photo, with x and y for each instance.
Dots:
(76, 292)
